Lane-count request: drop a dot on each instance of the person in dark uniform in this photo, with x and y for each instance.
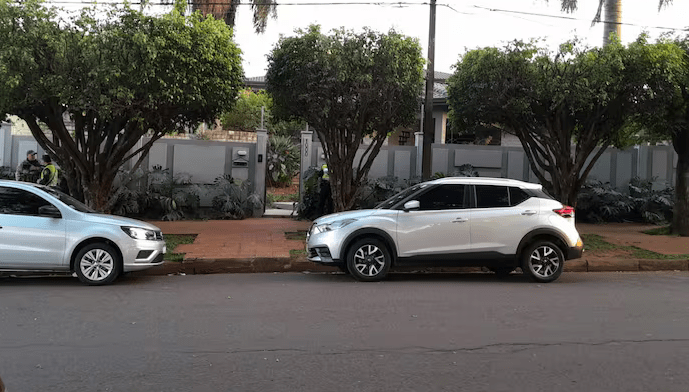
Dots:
(30, 169)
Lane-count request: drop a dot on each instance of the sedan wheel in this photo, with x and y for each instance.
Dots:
(97, 264)
(369, 260)
(543, 261)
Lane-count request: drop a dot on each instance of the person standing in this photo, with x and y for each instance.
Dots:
(29, 169)
(49, 174)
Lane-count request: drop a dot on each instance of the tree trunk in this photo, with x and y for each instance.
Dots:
(613, 20)
(680, 219)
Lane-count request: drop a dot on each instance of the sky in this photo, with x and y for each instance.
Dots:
(460, 24)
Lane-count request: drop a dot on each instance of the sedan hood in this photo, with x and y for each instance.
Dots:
(356, 214)
(118, 221)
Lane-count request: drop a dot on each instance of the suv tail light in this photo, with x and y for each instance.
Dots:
(565, 212)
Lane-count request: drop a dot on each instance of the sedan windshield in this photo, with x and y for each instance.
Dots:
(399, 197)
(68, 200)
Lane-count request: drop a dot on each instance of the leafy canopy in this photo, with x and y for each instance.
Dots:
(347, 85)
(565, 107)
(116, 78)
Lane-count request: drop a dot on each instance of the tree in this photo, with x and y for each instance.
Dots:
(245, 115)
(347, 85)
(117, 79)
(668, 75)
(227, 11)
(585, 96)
(613, 14)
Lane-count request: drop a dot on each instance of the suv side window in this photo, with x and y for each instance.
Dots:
(444, 197)
(518, 196)
(20, 202)
(492, 196)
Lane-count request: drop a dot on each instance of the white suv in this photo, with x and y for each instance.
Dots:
(497, 223)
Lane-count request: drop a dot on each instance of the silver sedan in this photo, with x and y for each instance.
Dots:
(46, 231)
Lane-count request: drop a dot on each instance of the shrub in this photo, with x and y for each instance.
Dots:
(375, 191)
(653, 206)
(234, 200)
(599, 202)
(283, 160)
(172, 195)
(311, 206)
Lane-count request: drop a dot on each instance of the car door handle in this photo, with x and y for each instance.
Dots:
(460, 220)
(529, 212)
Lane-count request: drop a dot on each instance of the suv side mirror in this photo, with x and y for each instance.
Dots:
(411, 205)
(49, 211)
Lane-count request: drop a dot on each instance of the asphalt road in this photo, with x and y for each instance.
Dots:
(325, 332)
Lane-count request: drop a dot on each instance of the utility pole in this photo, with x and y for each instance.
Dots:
(428, 128)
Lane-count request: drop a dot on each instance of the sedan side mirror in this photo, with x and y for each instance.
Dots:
(49, 211)
(412, 205)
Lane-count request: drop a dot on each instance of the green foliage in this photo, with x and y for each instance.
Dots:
(346, 85)
(283, 160)
(245, 114)
(172, 194)
(310, 206)
(126, 199)
(273, 197)
(562, 105)
(600, 202)
(117, 78)
(380, 189)
(668, 75)
(233, 199)
(654, 206)
(171, 242)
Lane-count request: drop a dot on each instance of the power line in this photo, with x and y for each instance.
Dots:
(376, 3)
(575, 19)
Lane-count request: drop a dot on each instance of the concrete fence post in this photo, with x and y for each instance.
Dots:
(306, 153)
(418, 142)
(260, 176)
(5, 144)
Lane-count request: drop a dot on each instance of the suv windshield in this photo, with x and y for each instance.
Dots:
(68, 200)
(399, 197)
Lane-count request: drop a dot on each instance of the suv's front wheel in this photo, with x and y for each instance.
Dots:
(368, 260)
(543, 261)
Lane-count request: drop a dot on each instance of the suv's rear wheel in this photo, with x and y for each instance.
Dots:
(543, 261)
(368, 260)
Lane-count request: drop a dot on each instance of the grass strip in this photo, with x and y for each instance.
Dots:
(172, 240)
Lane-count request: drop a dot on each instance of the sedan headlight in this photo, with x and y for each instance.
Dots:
(139, 234)
(323, 227)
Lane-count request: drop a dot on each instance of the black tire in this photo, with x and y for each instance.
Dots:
(543, 261)
(501, 272)
(97, 264)
(368, 260)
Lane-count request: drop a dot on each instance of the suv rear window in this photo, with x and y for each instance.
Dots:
(492, 196)
(518, 196)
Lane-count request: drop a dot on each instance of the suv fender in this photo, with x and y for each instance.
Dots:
(543, 232)
(369, 231)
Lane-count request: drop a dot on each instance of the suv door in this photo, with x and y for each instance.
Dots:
(27, 240)
(502, 217)
(441, 226)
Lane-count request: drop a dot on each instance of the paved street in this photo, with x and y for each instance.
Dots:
(325, 332)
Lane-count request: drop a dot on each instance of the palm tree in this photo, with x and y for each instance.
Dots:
(613, 14)
(227, 10)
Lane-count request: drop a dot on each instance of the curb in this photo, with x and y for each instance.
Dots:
(300, 264)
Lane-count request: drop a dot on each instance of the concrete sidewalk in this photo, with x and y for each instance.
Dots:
(262, 245)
